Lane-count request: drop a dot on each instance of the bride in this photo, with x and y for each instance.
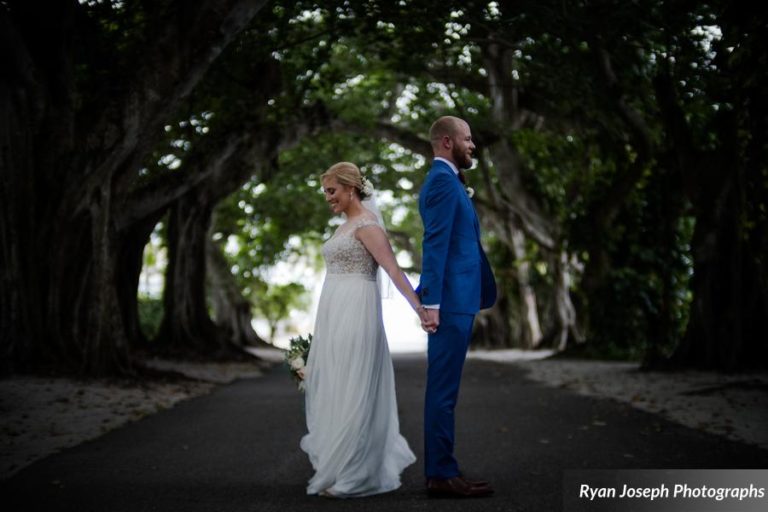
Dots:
(354, 441)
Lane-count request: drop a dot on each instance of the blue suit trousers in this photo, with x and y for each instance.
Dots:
(446, 352)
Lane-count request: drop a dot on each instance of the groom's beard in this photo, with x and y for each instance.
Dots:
(462, 159)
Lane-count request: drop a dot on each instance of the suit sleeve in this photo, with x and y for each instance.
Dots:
(439, 212)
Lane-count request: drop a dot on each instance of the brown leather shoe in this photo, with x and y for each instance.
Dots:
(456, 487)
(475, 483)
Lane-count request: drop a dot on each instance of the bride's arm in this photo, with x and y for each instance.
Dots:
(376, 242)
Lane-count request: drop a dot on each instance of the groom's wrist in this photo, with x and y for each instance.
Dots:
(430, 306)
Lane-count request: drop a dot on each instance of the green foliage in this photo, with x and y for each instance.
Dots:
(644, 297)
(274, 302)
(576, 69)
(150, 316)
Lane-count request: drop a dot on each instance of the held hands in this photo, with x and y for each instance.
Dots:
(430, 319)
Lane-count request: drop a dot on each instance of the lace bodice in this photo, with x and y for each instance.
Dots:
(345, 254)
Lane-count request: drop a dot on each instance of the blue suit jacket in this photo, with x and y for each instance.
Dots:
(455, 272)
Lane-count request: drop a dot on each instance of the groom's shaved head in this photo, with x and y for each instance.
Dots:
(446, 126)
(451, 139)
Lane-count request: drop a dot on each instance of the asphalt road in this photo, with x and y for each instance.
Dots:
(237, 450)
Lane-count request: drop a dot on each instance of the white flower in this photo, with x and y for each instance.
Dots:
(470, 192)
(367, 187)
(297, 364)
(302, 386)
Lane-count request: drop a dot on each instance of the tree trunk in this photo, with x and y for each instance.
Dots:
(517, 214)
(566, 329)
(187, 326)
(531, 329)
(726, 329)
(232, 312)
(68, 160)
(130, 263)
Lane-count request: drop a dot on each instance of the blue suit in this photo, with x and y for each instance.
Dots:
(456, 275)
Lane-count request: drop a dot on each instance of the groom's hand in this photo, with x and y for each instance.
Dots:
(430, 320)
(424, 318)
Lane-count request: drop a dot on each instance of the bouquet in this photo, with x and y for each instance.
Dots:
(296, 358)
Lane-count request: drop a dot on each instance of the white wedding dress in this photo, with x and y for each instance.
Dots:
(354, 441)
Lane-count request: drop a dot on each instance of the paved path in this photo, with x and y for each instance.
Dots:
(237, 450)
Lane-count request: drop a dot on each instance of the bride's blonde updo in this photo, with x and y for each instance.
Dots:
(349, 174)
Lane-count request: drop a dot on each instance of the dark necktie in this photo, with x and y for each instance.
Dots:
(462, 178)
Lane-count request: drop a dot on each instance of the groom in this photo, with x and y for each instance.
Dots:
(456, 282)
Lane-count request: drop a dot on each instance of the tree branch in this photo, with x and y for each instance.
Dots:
(641, 139)
(192, 36)
(633, 119)
(386, 130)
(162, 192)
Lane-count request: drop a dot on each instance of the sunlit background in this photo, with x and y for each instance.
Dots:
(404, 333)
(400, 322)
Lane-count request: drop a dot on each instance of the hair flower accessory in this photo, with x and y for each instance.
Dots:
(470, 192)
(367, 189)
